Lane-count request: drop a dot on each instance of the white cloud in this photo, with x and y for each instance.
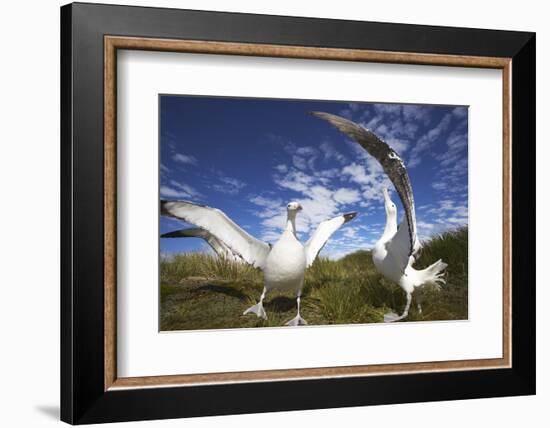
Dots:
(303, 157)
(346, 196)
(453, 162)
(179, 190)
(439, 185)
(185, 159)
(169, 192)
(417, 113)
(426, 230)
(316, 191)
(450, 213)
(390, 109)
(329, 152)
(282, 168)
(357, 173)
(427, 140)
(373, 122)
(229, 185)
(399, 145)
(372, 182)
(295, 180)
(299, 162)
(460, 112)
(185, 188)
(306, 151)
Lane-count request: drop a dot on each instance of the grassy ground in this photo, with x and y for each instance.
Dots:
(200, 291)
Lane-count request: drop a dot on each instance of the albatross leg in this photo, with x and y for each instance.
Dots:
(258, 308)
(419, 298)
(297, 320)
(392, 317)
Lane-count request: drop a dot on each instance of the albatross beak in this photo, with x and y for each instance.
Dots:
(349, 216)
(386, 194)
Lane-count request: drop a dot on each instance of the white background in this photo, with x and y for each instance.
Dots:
(142, 351)
(29, 231)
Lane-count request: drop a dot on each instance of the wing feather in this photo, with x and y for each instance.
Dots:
(215, 221)
(322, 234)
(218, 246)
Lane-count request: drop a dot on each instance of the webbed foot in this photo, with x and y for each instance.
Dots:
(257, 309)
(393, 317)
(297, 320)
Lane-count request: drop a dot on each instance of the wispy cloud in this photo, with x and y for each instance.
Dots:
(439, 185)
(179, 190)
(329, 152)
(282, 168)
(184, 159)
(170, 192)
(426, 141)
(450, 211)
(228, 185)
(371, 179)
(346, 196)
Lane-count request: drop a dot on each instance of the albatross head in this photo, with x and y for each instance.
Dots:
(391, 209)
(293, 207)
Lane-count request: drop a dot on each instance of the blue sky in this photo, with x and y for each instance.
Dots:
(249, 157)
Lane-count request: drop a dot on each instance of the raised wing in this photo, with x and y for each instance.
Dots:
(214, 221)
(392, 164)
(399, 248)
(218, 246)
(322, 234)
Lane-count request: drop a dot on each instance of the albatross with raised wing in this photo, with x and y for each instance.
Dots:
(395, 253)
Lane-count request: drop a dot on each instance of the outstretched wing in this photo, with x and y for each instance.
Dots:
(218, 246)
(392, 164)
(322, 234)
(214, 221)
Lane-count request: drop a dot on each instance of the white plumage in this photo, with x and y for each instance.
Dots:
(283, 265)
(391, 257)
(214, 221)
(221, 250)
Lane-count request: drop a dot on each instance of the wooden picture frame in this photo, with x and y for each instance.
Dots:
(91, 390)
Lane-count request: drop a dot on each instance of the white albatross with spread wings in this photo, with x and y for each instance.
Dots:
(283, 264)
(395, 253)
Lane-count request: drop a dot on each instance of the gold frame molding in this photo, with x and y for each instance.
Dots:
(113, 43)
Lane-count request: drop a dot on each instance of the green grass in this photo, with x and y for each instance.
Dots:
(199, 291)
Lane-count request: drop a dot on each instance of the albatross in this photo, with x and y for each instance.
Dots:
(283, 264)
(390, 256)
(395, 253)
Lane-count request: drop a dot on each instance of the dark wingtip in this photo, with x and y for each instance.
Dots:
(320, 114)
(163, 210)
(349, 216)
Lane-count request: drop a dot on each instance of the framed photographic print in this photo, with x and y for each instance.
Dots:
(265, 213)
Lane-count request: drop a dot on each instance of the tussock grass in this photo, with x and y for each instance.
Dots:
(200, 291)
(206, 266)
